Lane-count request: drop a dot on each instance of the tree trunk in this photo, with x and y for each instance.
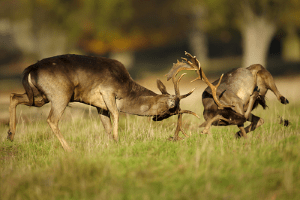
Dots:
(197, 37)
(257, 34)
(291, 45)
(199, 47)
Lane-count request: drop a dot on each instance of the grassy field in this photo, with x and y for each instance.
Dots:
(144, 164)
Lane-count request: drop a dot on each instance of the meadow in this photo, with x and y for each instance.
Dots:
(144, 164)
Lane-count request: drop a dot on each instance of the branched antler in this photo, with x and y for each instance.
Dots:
(177, 67)
(194, 63)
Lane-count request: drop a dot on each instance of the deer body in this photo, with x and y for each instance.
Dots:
(230, 99)
(101, 82)
(88, 81)
(244, 88)
(230, 91)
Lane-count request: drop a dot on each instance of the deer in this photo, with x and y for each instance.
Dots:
(230, 99)
(100, 82)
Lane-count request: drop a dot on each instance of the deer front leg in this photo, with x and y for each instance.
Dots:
(110, 102)
(207, 124)
(105, 119)
(252, 100)
(57, 109)
(255, 123)
(242, 130)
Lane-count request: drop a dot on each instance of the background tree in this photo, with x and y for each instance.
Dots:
(258, 21)
(290, 23)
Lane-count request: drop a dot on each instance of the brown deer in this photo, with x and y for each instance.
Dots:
(100, 82)
(230, 99)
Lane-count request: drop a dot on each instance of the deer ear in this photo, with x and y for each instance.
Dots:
(161, 87)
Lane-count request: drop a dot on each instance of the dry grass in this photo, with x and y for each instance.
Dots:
(144, 165)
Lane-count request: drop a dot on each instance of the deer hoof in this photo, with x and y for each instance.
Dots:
(116, 139)
(10, 135)
(67, 149)
(260, 122)
(283, 100)
(171, 138)
(205, 131)
(238, 135)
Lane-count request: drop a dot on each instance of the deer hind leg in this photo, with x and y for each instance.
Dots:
(57, 109)
(16, 99)
(255, 123)
(207, 124)
(110, 102)
(266, 77)
(105, 119)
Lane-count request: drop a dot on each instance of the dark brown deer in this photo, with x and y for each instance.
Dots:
(230, 99)
(100, 82)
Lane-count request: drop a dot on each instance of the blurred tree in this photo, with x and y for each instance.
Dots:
(204, 17)
(258, 21)
(143, 24)
(55, 26)
(290, 22)
(101, 26)
(41, 27)
(135, 25)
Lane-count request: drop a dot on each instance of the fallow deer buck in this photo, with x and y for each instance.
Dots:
(230, 99)
(100, 82)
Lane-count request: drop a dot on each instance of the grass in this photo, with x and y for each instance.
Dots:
(144, 164)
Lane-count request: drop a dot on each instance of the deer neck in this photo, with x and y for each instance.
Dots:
(138, 101)
(142, 105)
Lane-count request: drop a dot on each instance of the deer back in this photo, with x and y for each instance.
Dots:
(239, 82)
(86, 77)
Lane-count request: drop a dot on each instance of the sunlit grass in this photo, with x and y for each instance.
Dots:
(144, 164)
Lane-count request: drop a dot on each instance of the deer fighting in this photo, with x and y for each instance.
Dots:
(106, 85)
(100, 82)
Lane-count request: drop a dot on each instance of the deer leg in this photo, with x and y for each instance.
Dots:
(57, 109)
(268, 80)
(255, 123)
(207, 124)
(242, 130)
(16, 99)
(110, 102)
(105, 119)
(253, 97)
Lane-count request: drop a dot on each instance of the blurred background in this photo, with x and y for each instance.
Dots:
(148, 36)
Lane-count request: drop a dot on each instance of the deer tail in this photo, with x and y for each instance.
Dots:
(26, 85)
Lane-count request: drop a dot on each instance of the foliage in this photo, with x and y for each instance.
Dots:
(118, 25)
(144, 165)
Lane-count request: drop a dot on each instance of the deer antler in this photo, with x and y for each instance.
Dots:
(195, 64)
(177, 67)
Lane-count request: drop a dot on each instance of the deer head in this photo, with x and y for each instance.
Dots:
(177, 67)
(194, 64)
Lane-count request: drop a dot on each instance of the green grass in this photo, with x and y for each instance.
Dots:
(144, 164)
